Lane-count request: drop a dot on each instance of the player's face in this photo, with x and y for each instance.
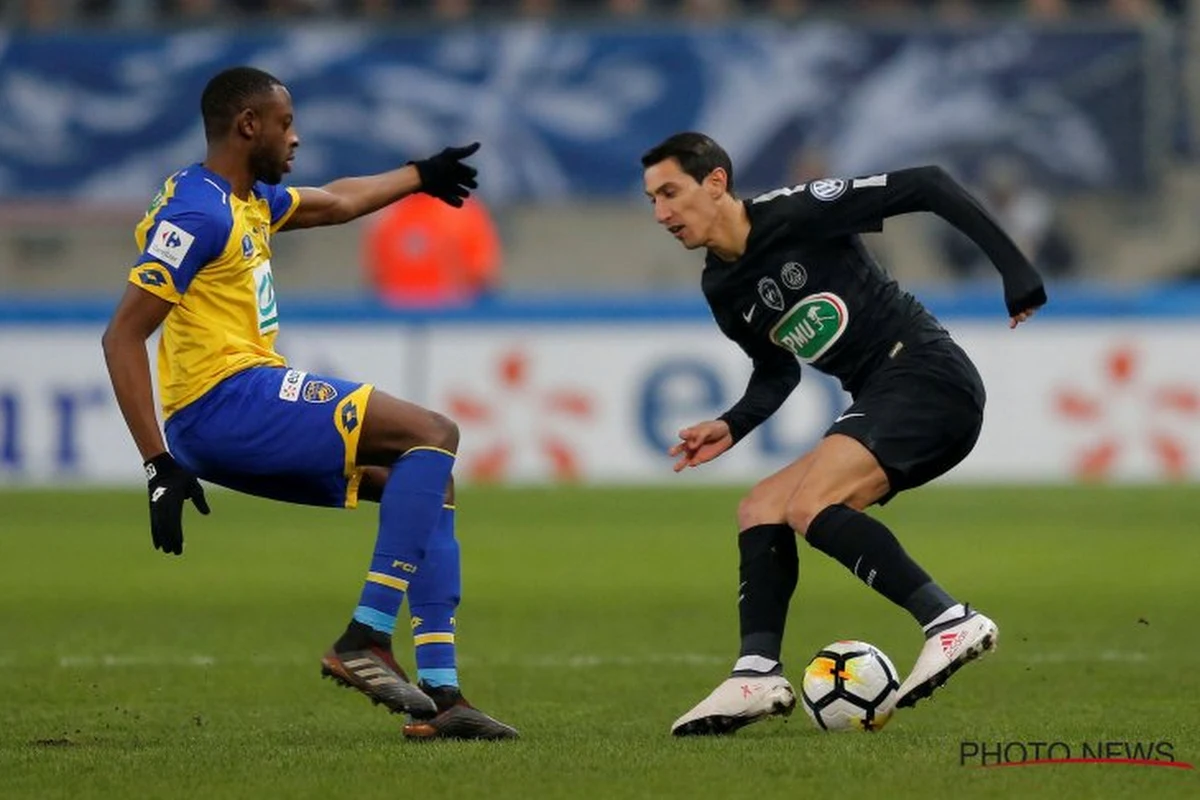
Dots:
(275, 140)
(687, 209)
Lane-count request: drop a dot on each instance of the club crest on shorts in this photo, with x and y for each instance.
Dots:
(247, 246)
(770, 293)
(319, 392)
(827, 188)
(794, 275)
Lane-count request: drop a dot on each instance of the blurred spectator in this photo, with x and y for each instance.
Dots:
(1047, 9)
(537, 8)
(421, 252)
(955, 11)
(627, 8)
(1025, 212)
(788, 9)
(705, 10)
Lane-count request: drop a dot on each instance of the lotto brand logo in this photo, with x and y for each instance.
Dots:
(152, 277)
(349, 417)
(812, 326)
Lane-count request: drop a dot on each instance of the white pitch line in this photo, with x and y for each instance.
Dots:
(576, 661)
(1111, 656)
(564, 661)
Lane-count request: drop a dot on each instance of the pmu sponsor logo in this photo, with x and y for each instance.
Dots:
(1043, 753)
(812, 326)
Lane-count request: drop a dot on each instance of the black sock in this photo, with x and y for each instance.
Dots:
(868, 549)
(769, 570)
(359, 637)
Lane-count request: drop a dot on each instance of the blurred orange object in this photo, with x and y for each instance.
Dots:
(422, 252)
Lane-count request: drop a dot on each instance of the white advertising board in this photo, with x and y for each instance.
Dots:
(600, 402)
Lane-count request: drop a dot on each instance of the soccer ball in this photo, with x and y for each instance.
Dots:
(850, 686)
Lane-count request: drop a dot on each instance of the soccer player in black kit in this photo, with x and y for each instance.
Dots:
(788, 279)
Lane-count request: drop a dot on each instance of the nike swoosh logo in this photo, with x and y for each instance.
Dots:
(748, 314)
(848, 416)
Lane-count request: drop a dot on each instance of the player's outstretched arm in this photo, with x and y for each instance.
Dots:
(444, 176)
(137, 316)
(1024, 292)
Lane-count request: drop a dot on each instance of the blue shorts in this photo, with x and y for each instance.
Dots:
(275, 432)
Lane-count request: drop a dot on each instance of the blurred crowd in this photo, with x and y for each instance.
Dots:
(54, 13)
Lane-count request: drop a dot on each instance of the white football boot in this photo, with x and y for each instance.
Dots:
(736, 703)
(947, 647)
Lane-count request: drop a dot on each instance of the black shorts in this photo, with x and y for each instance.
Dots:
(919, 415)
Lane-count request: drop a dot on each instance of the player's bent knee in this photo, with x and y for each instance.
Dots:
(759, 507)
(439, 431)
(802, 510)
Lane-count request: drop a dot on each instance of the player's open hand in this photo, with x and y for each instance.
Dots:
(446, 177)
(170, 486)
(701, 443)
(1014, 321)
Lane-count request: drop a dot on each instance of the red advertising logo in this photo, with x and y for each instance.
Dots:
(1156, 407)
(515, 394)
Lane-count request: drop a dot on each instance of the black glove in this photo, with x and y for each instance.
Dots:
(445, 176)
(1024, 296)
(169, 486)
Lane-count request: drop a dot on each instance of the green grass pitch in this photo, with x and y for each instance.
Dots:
(592, 618)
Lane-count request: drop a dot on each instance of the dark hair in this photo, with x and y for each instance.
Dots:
(697, 154)
(228, 93)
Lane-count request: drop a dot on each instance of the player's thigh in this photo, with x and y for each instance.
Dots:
(919, 418)
(766, 502)
(391, 427)
(842, 471)
(276, 433)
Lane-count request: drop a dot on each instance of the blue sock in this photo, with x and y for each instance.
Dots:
(432, 600)
(409, 512)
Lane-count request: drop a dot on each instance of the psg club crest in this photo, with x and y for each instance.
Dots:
(794, 276)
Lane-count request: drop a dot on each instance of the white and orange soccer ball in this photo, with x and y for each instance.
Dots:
(850, 686)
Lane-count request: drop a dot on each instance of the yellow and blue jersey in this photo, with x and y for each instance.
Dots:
(209, 253)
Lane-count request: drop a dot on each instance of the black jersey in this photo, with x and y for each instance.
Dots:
(806, 290)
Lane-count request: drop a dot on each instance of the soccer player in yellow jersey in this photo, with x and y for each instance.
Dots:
(235, 414)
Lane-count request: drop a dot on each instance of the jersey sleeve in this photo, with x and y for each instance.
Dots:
(178, 245)
(283, 202)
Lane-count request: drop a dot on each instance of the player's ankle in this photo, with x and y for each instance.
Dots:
(359, 636)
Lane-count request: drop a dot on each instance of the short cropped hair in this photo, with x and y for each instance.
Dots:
(697, 154)
(228, 93)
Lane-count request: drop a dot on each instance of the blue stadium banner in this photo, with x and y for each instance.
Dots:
(568, 111)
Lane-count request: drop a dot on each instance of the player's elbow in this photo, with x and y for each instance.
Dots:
(935, 176)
